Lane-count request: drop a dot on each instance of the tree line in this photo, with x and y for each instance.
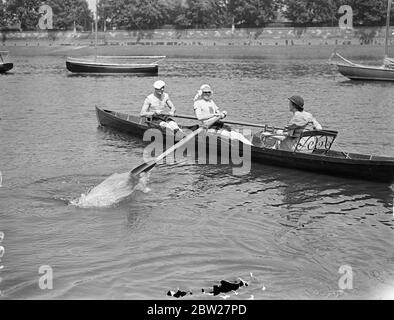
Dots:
(152, 14)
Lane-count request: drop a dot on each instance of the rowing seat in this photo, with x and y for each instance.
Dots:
(300, 140)
(315, 141)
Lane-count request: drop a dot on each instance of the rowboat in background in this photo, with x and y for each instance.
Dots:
(311, 153)
(355, 71)
(4, 65)
(114, 64)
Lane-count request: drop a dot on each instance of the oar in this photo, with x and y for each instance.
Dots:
(147, 166)
(248, 124)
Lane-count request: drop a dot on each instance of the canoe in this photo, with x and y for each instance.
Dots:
(314, 154)
(92, 66)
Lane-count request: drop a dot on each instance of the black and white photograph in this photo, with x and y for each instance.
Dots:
(198, 155)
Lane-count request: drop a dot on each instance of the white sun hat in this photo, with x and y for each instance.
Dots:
(159, 84)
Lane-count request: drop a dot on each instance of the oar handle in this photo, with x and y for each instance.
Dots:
(248, 124)
(149, 165)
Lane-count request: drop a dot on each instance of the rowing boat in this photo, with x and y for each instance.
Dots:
(4, 65)
(105, 65)
(312, 152)
(113, 64)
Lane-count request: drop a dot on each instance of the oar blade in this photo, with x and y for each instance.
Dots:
(145, 167)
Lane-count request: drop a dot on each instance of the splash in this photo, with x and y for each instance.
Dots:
(113, 190)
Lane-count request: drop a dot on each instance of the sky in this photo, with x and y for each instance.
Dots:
(92, 5)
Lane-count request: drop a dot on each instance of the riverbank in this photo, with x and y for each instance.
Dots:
(357, 52)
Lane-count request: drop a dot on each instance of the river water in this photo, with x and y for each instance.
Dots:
(288, 234)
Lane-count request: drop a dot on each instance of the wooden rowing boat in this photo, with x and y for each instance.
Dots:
(113, 64)
(4, 65)
(97, 65)
(312, 153)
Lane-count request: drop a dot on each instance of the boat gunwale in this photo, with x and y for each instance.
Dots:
(383, 160)
(82, 62)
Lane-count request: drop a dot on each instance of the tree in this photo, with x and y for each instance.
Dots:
(68, 12)
(310, 11)
(25, 11)
(199, 14)
(132, 14)
(367, 12)
(306, 12)
(251, 13)
(3, 22)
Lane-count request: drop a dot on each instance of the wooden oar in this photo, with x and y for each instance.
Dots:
(147, 166)
(247, 124)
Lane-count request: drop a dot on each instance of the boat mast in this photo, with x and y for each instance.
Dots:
(95, 27)
(386, 44)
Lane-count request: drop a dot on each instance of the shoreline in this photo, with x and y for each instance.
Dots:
(287, 52)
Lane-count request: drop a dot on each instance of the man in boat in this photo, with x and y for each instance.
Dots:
(300, 121)
(155, 108)
(205, 108)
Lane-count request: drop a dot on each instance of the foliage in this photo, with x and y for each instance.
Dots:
(66, 12)
(151, 14)
(307, 12)
(23, 11)
(252, 13)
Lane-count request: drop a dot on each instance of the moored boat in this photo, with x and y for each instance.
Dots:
(355, 71)
(78, 65)
(312, 153)
(4, 65)
(113, 64)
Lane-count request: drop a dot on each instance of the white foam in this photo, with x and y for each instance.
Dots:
(112, 190)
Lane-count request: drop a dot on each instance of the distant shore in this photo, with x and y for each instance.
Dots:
(285, 52)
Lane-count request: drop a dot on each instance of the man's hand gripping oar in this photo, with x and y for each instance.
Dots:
(147, 166)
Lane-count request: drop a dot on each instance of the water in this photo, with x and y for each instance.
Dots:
(284, 231)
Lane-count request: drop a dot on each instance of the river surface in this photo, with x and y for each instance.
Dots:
(288, 234)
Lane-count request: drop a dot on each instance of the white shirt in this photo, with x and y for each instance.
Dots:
(205, 109)
(303, 118)
(153, 103)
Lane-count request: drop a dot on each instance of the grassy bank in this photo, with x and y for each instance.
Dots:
(357, 52)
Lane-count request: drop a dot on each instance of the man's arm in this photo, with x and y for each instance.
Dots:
(316, 124)
(171, 106)
(144, 111)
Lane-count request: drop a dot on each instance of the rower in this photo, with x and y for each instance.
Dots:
(300, 121)
(205, 108)
(155, 105)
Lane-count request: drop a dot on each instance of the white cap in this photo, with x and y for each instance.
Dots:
(205, 88)
(159, 84)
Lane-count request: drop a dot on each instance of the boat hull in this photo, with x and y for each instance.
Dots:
(335, 163)
(83, 67)
(360, 72)
(4, 67)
